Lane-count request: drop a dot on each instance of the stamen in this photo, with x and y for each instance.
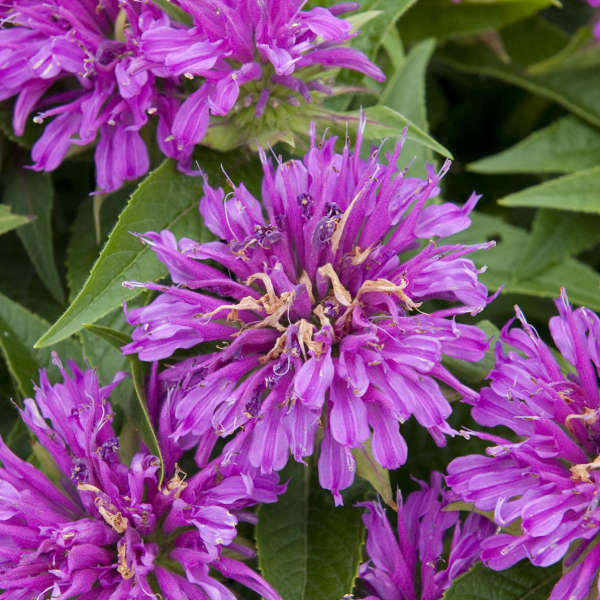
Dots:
(116, 520)
(588, 417)
(246, 303)
(275, 351)
(339, 230)
(581, 472)
(359, 257)
(389, 287)
(124, 570)
(305, 279)
(268, 287)
(177, 482)
(305, 337)
(342, 295)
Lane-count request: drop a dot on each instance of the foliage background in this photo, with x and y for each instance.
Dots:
(511, 88)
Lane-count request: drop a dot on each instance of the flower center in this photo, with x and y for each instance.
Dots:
(155, 543)
(331, 315)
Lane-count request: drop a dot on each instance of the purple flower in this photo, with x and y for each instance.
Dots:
(316, 312)
(99, 70)
(548, 479)
(103, 529)
(252, 59)
(410, 565)
(79, 62)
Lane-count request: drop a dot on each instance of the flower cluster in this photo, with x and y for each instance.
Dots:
(99, 70)
(269, 49)
(104, 529)
(317, 314)
(79, 62)
(549, 479)
(410, 566)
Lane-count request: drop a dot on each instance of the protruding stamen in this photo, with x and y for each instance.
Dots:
(342, 295)
(582, 472)
(124, 570)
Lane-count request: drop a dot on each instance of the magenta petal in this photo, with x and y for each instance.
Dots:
(313, 380)
(344, 57)
(191, 121)
(49, 151)
(240, 572)
(336, 467)
(301, 425)
(321, 22)
(120, 154)
(388, 446)
(269, 446)
(348, 416)
(30, 94)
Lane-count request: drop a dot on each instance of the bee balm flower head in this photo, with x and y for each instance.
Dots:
(411, 564)
(321, 318)
(107, 529)
(549, 479)
(249, 65)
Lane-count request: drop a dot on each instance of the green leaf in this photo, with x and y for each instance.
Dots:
(382, 122)
(360, 19)
(370, 470)
(371, 36)
(568, 145)
(83, 248)
(578, 90)
(139, 411)
(9, 221)
(580, 280)
(32, 130)
(31, 193)
(443, 18)
(531, 41)
(102, 355)
(166, 199)
(19, 329)
(557, 61)
(394, 48)
(176, 13)
(405, 93)
(576, 192)
(556, 235)
(307, 548)
(114, 337)
(44, 461)
(521, 582)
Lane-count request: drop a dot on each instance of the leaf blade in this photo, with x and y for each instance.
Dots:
(32, 193)
(521, 582)
(566, 146)
(575, 89)
(9, 220)
(443, 19)
(577, 192)
(405, 93)
(83, 247)
(555, 236)
(297, 553)
(19, 328)
(580, 280)
(166, 199)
